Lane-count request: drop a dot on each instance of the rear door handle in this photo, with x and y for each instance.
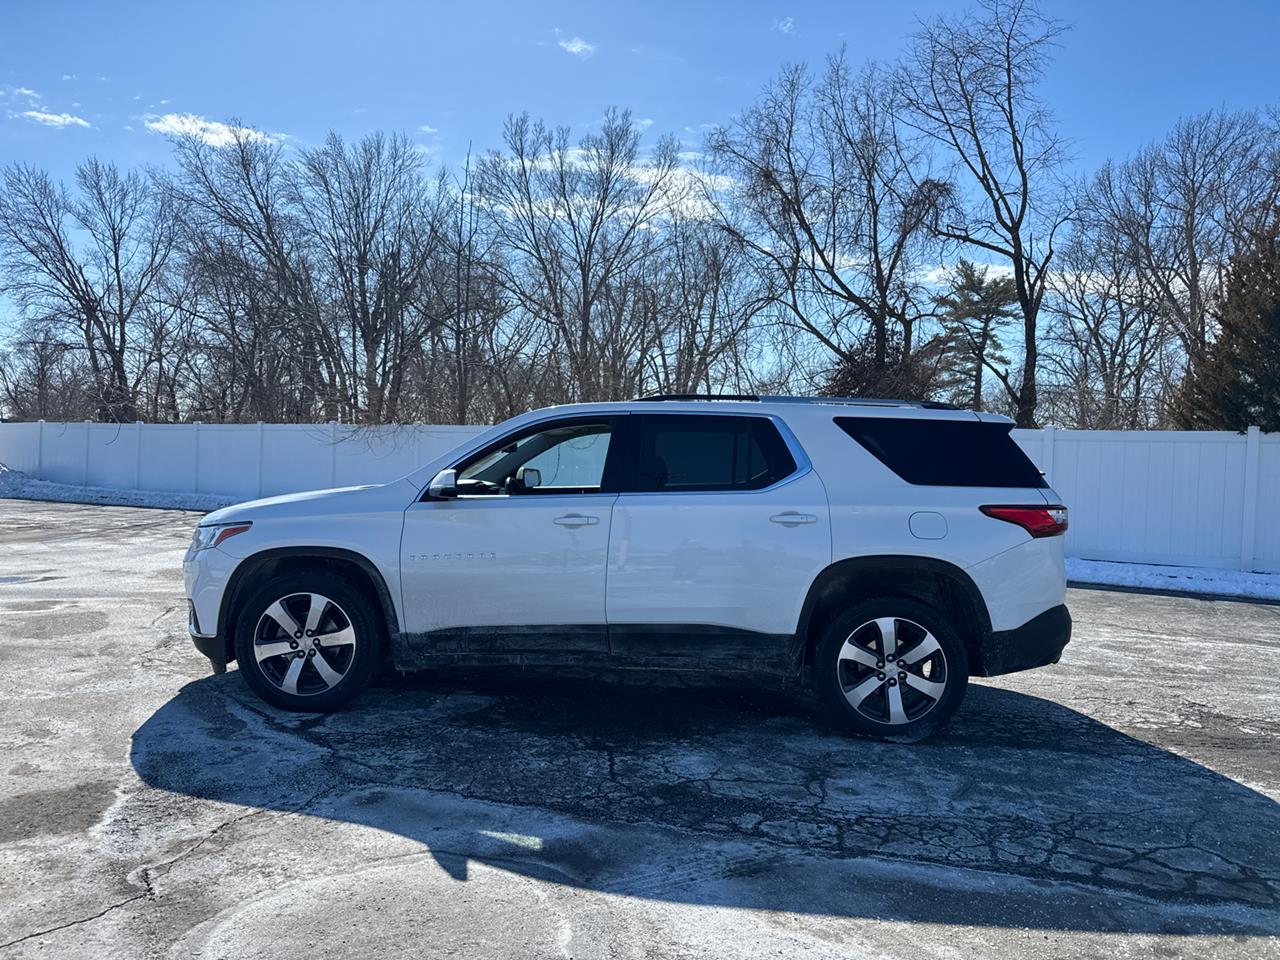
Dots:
(792, 519)
(576, 520)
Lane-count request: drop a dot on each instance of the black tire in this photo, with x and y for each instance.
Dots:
(919, 714)
(255, 629)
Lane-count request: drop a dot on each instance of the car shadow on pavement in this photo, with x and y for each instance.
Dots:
(1022, 814)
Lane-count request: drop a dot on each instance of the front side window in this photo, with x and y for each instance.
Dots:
(689, 452)
(563, 458)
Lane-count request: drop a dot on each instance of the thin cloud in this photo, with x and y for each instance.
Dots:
(212, 132)
(578, 47)
(428, 128)
(942, 273)
(55, 119)
(27, 92)
(786, 25)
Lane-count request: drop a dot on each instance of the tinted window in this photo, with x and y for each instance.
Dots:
(687, 453)
(945, 453)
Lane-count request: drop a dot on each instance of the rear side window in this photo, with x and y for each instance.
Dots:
(945, 453)
(689, 452)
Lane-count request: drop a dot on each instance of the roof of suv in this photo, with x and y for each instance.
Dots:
(787, 409)
(785, 406)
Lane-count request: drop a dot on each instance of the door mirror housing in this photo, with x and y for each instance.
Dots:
(530, 477)
(444, 485)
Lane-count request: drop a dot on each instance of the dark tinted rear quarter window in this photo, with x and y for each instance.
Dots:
(690, 452)
(945, 453)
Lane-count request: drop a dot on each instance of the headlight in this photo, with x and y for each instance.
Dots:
(216, 533)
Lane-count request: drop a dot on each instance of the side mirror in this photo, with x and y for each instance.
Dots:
(444, 484)
(529, 476)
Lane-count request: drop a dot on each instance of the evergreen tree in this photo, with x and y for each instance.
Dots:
(1238, 383)
(973, 314)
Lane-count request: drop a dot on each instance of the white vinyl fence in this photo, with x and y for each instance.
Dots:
(236, 460)
(1190, 498)
(1194, 498)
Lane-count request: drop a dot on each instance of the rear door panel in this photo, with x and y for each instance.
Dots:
(715, 574)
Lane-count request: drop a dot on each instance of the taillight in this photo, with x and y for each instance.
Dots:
(1037, 521)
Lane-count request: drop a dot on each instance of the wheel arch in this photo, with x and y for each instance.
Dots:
(280, 560)
(938, 583)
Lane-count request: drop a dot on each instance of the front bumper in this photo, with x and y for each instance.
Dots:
(206, 574)
(213, 646)
(1037, 643)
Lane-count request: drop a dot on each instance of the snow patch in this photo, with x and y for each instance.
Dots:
(15, 485)
(1206, 580)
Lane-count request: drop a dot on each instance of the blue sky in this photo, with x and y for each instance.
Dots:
(88, 78)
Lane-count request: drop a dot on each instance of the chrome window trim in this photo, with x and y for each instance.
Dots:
(473, 450)
(505, 497)
(804, 465)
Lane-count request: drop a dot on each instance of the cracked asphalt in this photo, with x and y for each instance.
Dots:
(1120, 804)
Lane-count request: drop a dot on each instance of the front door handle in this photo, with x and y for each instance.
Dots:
(576, 520)
(792, 519)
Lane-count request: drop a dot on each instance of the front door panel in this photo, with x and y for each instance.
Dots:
(504, 574)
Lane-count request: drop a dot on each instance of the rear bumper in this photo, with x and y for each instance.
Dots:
(1037, 643)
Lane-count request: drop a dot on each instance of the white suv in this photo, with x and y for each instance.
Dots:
(885, 550)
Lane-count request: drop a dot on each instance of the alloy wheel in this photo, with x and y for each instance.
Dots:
(304, 644)
(892, 670)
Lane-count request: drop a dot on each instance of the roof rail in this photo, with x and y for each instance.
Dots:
(867, 401)
(861, 401)
(701, 396)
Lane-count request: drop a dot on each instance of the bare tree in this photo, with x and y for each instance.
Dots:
(371, 223)
(354, 282)
(1183, 206)
(255, 297)
(473, 368)
(44, 378)
(575, 223)
(970, 84)
(1108, 352)
(834, 208)
(708, 298)
(88, 263)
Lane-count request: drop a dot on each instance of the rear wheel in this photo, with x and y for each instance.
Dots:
(308, 641)
(891, 668)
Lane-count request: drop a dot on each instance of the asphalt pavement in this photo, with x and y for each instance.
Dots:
(1120, 804)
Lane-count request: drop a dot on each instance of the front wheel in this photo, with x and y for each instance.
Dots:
(308, 641)
(894, 669)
